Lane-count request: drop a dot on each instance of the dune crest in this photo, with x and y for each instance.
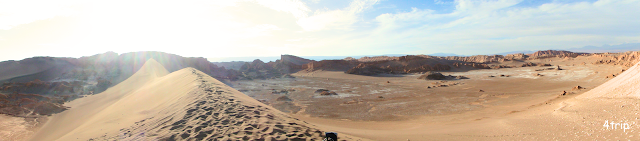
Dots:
(625, 85)
(187, 104)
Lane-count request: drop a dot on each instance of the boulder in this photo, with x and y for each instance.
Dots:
(321, 90)
(328, 93)
(610, 76)
(558, 68)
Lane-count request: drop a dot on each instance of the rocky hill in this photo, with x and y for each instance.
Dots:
(626, 59)
(85, 74)
(423, 63)
(554, 53)
(92, 72)
(234, 65)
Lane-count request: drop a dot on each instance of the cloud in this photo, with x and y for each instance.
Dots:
(14, 13)
(224, 28)
(124, 26)
(260, 30)
(480, 27)
(336, 19)
(295, 7)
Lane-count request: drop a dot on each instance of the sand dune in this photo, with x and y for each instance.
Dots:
(154, 104)
(625, 85)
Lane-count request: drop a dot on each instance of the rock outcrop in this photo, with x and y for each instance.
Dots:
(283, 98)
(31, 104)
(626, 59)
(432, 76)
(530, 64)
(439, 76)
(41, 87)
(364, 69)
(331, 65)
(477, 58)
(577, 88)
(554, 53)
(101, 69)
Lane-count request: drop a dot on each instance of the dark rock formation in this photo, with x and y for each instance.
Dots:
(530, 64)
(30, 104)
(103, 69)
(433, 76)
(577, 88)
(283, 98)
(363, 69)
(439, 76)
(321, 90)
(554, 53)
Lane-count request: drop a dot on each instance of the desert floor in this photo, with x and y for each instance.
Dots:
(523, 103)
(522, 106)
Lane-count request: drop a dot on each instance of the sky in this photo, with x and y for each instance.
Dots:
(240, 28)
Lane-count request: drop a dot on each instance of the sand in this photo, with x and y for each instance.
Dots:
(16, 128)
(625, 85)
(519, 107)
(573, 117)
(187, 104)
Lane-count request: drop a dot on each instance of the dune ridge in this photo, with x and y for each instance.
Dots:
(625, 85)
(184, 105)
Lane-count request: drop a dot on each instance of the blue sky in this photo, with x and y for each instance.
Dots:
(240, 28)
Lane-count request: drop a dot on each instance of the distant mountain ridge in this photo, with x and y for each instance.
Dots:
(112, 68)
(315, 58)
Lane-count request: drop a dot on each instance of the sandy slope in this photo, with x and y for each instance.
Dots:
(625, 85)
(183, 105)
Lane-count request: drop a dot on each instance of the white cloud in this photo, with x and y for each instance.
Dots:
(475, 6)
(225, 28)
(323, 19)
(125, 26)
(295, 7)
(260, 30)
(440, 2)
(336, 19)
(314, 1)
(483, 27)
(16, 12)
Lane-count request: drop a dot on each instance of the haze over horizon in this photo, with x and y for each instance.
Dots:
(246, 28)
